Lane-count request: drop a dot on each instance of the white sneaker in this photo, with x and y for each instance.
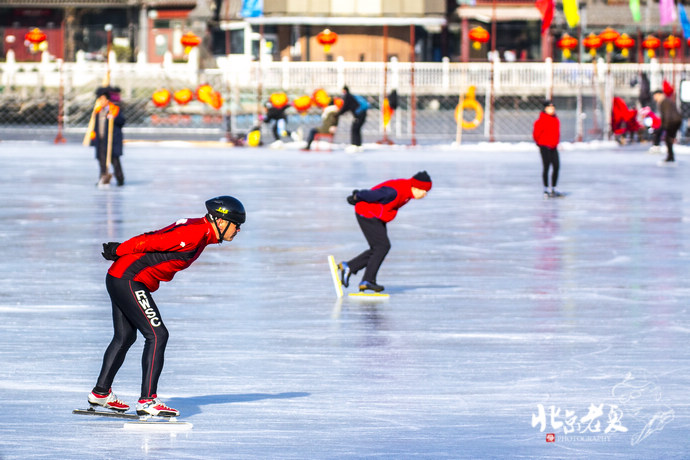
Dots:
(108, 401)
(154, 406)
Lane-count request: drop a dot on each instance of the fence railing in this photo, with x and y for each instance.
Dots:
(35, 96)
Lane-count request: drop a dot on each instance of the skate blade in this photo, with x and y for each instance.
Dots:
(368, 296)
(336, 277)
(105, 413)
(170, 424)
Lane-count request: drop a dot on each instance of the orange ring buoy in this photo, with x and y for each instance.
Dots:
(470, 104)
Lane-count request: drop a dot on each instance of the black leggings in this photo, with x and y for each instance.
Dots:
(377, 236)
(549, 157)
(356, 129)
(670, 138)
(133, 310)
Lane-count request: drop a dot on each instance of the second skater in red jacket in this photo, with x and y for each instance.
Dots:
(374, 209)
(547, 133)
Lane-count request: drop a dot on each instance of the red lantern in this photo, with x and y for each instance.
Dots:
(608, 36)
(567, 44)
(206, 94)
(189, 41)
(327, 38)
(216, 100)
(624, 42)
(278, 100)
(479, 35)
(183, 96)
(321, 98)
(36, 37)
(651, 43)
(592, 42)
(672, 43)
(161, 98)
(302, 104)
(203, 93)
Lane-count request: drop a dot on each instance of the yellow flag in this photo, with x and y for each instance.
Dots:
(572, 15)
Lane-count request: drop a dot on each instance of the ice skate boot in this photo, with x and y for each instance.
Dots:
(154, 406)
(368, 285)
(345, 273)
(556, 194)
(109, 401)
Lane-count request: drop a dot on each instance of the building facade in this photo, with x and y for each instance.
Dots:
(367, 30)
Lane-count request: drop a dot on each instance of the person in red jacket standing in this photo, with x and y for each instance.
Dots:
(139, 265)
(547, 133)
(374, 209)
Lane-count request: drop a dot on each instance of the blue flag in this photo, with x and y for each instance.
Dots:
(684, 22)
(252, 8)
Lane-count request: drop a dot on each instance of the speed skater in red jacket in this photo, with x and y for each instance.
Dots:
(546, 134)
(139, 265)
(374, 209)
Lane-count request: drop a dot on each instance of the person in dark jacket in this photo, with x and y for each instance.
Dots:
(329, 124)
(546, 134)
(358, 105)
(139, 265)
(374, 209)
(107, 113)
(670, 122)
(278, 116)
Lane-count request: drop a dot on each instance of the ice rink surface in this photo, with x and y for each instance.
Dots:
(511, 318)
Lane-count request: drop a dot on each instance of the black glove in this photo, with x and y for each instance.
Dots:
(109, 251)
(352, 199)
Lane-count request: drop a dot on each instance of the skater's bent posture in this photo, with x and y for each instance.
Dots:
(374, 209)
(140, 264)
(670, 122)
(547, 133)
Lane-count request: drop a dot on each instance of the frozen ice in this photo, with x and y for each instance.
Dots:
(511, 317)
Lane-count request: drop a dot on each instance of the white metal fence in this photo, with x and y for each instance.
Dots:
(37, 97)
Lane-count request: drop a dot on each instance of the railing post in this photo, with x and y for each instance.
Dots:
(340, 72)
(445, 73)
(548, 67)
(59, 138)
(10, 69)
(285, 67)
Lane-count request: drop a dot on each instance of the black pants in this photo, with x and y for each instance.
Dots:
(133, 310)
(549, 158)
(670, 138)
(310, 138)
(275, 132)
(377, 236)
(356, 130)
(117, 167)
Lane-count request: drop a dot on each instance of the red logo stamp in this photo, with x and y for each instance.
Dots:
(550, 437)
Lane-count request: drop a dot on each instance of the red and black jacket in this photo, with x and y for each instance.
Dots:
(383, 201)
(156, 256)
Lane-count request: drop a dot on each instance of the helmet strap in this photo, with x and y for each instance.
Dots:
(221, 235)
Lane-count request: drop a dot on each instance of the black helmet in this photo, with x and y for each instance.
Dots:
(226, 208)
